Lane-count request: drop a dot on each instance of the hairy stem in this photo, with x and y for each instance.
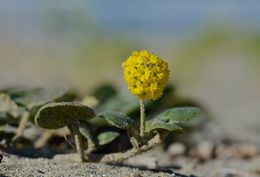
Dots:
(115, 157)
(21, 127)
(134, 136)
(142, 118)
(78, 141)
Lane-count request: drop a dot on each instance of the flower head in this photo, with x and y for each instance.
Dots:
(145, 74)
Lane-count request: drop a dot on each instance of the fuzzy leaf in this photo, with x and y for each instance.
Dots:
(38, 96)
(107, 137)
(157, 125)
(58, 115)
(178, 115)
(122, 102)
(169, 119)
(86, 133)
(116, 119)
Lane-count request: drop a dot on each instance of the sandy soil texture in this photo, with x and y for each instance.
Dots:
(13, 166)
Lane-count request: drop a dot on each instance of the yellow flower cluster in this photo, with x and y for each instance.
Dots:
(145, 74)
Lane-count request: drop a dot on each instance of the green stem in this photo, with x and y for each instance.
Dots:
(142, 118)
(133, 134)
(78, 141)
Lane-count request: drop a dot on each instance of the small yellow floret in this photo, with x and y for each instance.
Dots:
(145, 74)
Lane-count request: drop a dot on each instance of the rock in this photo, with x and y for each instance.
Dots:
(143, 161)
(225, 151)
(176, 149)
(246, 151)
(73, 157)
(204, 151)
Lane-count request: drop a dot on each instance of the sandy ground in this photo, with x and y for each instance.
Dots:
(225, 166)
(13, 166)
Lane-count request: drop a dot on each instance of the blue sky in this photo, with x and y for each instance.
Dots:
(135, 12)
(128, 17)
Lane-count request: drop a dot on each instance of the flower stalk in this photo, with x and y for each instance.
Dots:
(142, 118)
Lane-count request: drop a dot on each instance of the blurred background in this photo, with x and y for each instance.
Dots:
(213, 49)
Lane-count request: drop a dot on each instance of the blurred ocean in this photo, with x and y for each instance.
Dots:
(135, 17)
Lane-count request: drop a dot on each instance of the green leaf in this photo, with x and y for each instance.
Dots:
(85, 132)
(38, 96)
(58, 115)
(107, 137)
(159, 125)
(116, 119)
(169, 119)
(178, 115)
(104, 92)
(122, 102)
(92, 142)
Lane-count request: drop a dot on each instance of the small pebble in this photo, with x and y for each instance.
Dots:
(139, 161)
(176, 149)
(224, 151)
(246, 151)
(204, 151)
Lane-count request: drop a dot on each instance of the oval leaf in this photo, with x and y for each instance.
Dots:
(157, 125)
(169, 119)
(58, 115)
(178, 115)
(86, 133)
(122, 102)
(116, 119)
(107, 137)
(38, 96)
